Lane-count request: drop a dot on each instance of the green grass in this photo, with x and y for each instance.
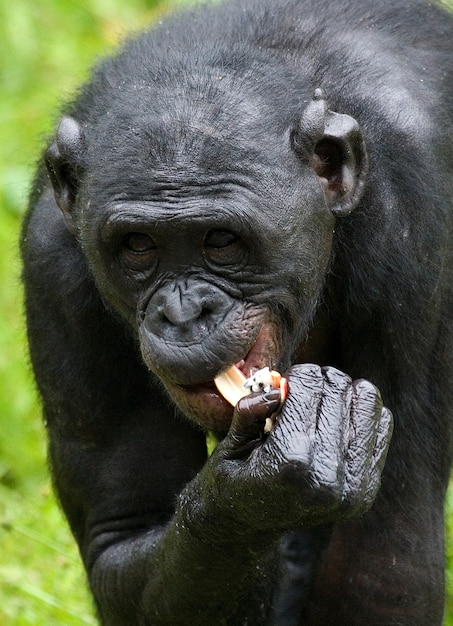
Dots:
(46, 48)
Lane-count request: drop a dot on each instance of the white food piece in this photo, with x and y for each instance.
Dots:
(269, 424)
(260, 381)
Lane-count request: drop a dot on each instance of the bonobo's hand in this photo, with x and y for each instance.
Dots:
(321, 462)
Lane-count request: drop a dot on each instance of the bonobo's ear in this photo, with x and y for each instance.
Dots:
(333, 145)
(65, 164)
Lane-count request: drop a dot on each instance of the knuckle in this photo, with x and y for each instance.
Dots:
(366, 390)
(305, 371)
(336, 377)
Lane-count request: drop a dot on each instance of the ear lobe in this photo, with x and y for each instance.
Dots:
(333, 145)
(65, 164)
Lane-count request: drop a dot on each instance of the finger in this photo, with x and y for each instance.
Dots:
(250, 415)
(291, 438)
(384, 434)
(332, 427)
(363, 434)
(383, 437)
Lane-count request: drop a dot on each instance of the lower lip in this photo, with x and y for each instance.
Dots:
(205, 404)
(205, 393)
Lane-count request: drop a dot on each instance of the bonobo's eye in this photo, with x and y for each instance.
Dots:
(221, 246)
(220, 238)
(138, 243)
(138, 250)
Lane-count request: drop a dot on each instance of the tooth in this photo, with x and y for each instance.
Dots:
(230, 384)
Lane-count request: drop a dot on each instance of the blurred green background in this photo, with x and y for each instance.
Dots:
(46, 49)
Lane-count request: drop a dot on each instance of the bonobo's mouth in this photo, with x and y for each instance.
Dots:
(203, 402)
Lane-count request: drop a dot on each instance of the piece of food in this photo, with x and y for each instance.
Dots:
(266, 379)
(233, 385)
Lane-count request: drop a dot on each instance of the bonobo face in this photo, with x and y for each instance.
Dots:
(214, 273)
(212, 243)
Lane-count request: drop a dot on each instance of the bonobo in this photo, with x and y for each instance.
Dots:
(261, 184)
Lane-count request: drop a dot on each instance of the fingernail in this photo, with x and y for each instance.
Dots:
(272, 396)
(259, 406)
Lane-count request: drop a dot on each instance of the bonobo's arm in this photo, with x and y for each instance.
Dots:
(120, 457)
(321, 463)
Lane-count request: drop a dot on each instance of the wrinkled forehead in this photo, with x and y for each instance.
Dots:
(187, 111)
(188, 135)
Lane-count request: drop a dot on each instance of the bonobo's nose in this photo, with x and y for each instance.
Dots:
(186, 309)
(180, 306)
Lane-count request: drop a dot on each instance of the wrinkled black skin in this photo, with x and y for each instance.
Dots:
(354, 277)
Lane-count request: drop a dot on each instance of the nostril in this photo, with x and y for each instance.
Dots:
(206, 319)
(206, 311)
